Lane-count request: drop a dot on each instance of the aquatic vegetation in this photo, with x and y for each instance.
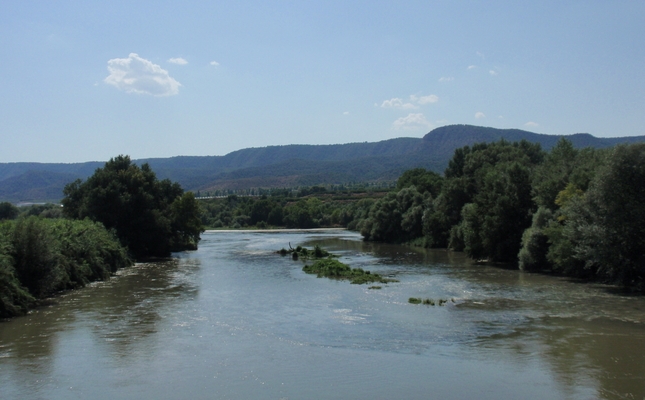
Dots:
(303, 252)
(334, 269)
(375, 287)
(428, 302)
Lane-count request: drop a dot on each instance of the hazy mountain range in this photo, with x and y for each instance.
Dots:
(290, 165)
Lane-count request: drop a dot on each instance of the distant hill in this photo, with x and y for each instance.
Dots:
(451, 137)
(291, 165)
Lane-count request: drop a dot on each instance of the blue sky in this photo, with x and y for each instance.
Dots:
(85, 81)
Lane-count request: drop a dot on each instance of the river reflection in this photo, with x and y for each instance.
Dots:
(236, 320)
(120, 315)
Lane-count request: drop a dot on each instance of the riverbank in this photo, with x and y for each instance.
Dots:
(279, 230)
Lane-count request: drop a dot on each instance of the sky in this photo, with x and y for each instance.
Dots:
(87, 81)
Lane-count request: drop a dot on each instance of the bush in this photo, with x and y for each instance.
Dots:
(39, 257)
(535, 246)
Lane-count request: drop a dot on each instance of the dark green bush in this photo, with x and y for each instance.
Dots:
(39, 257)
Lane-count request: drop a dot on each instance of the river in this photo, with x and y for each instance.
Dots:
(234, 320)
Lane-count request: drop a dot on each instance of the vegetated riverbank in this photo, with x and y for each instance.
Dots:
(276, 230)
(121, 211)
(40, 257)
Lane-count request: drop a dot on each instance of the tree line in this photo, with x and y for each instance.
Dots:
(308, 207)
(578, 212)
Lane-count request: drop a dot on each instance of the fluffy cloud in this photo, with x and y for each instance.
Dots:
(492, 72)
(397, 103)
(411, 122)
(412, 104)
(178, 60)
(446, 79)
(480, 115)
(214, 63)
(138, 75)
(531, 124)
(472, 66)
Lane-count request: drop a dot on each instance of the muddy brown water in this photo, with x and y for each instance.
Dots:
(234, 320)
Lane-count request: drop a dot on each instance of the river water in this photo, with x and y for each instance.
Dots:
(233, 320)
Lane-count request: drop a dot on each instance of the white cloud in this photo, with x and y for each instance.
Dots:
(480, 115)
(411, 122)
(178, 60)
(481, 55)
(493, 73)
(531, 124)
(472, 66)
(397, 103)
(412, 104)
(138, 75)
(346, 113)
(426, 99)
(214, 63)
(446, 79)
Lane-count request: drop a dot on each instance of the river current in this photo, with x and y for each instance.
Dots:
(234, 320)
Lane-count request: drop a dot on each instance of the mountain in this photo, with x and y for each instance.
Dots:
(451, 137)
(291, 165)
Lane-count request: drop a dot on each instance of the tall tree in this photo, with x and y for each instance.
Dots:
(501, 211)
(606, 226)
(150, 217)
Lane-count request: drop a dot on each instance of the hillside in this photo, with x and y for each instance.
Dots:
(291, 165)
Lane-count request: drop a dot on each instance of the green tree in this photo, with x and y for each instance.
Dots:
(260, 210)
(563, 165)
(397, 217)
(299, 215)
(606, 226)
(186, 222)
(499, 214)
(535, 242)
(422, 180)
(8, 211)
(477, 175)
(130, 200)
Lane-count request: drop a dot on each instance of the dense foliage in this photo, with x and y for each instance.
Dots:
(579, 212)
(150, 217)
(40, 256)
(307, 208)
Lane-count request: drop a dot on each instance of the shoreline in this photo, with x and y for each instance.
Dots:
(282, 230)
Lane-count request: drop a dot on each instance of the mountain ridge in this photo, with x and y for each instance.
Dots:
(289, 165)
